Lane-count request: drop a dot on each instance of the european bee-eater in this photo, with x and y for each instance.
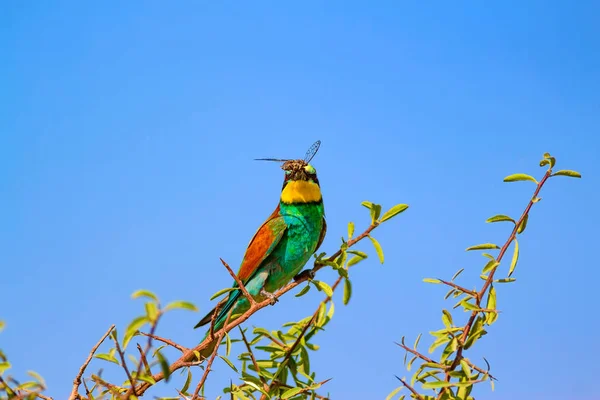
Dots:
(283, 244)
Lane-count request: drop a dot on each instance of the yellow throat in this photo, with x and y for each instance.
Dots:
(301, 192)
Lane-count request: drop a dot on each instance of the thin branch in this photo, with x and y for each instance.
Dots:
(167, 341)
(144, 360)
(211, 360)
(413, 391)
(480, 370)
(420, 355)
(124, 365)
(462, 289)
(113, 388)
(262, 379)
(143, 355)
(77, 381)
(239, 282)
(36, 394)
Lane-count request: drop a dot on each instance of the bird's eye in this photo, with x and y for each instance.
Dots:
(309, 169)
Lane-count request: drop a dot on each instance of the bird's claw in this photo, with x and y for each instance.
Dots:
(307, 274)
(273, 299)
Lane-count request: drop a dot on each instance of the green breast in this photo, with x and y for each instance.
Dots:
(304, 224)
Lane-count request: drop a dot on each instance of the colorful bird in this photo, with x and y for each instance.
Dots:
(283, 244)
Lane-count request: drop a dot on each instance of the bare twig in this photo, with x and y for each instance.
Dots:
(144, 360)
(262, 379)
(480, 370)
(77, 381)
(239, 282)
(211, 360)
(416, 353)
(462, 289)
(143, 355)
(36, 394)
(113, 388)
(413, 391)
(167, 341)
(124, 365)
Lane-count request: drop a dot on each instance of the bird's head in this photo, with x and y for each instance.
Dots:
(300, 183)
(299, 170)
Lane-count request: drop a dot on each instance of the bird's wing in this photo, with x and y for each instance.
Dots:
(262, 244)
(322, 235)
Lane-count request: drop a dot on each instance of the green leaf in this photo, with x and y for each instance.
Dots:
(151, 311)
(457, 274)
(375, 212)
(466, 368)
(519, 177)
(133, 327)
(228, 363)
(331, 310)
(438, 342)
(144, 293)
(515, 258)
(394, 392)
(304, 290)
(392, 212)
(484, 246)
(4, 365)
(431, 280)
(107, 357)
(147, 378)
(500, 218)
(409, 365)
(469, 306)
(437, 384)
(504, 280)
(378, 248)
(447, 319)
(490, 266)
(164, 365)
(290, 393)
(350, 230)
(491, 305)
(355, 260)
(227, 344)
(567, 172)
(536, 199)
(347, 291)
(324, 287)
(523, 224)
(367, 204)
(186, 305)
(417, 341)
(220, 292)
(37, 377)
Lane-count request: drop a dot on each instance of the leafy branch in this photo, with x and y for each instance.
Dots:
(443, 375)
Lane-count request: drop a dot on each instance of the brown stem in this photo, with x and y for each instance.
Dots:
(239, 282)
(124, 364)
(462, 289)
(167, 341)
(77, 381)
(413, 391)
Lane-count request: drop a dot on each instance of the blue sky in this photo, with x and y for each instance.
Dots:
(129, 129)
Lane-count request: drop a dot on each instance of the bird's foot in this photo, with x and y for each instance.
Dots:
(307, 274)
(269, 296)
